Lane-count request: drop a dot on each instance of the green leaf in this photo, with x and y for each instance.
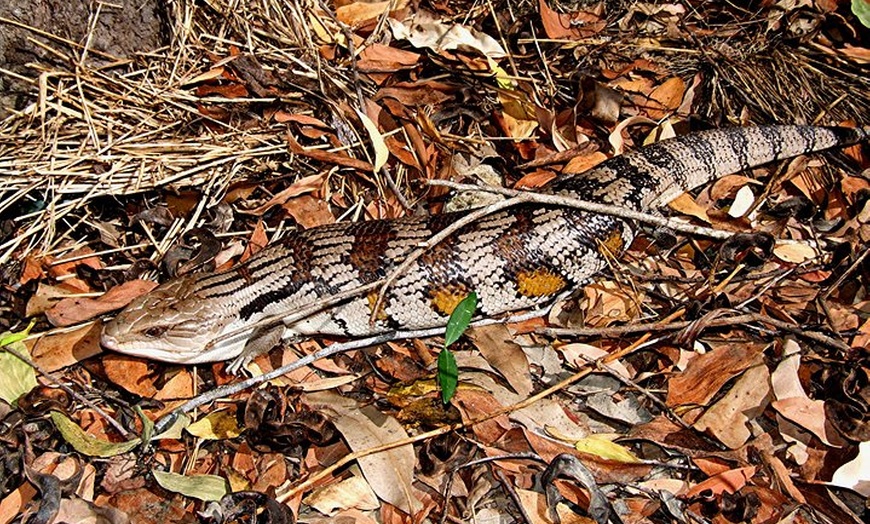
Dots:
(861, 9)
(147, 425)
(202, 487)
(448, 374)
(17, 378)
(8, 338)
(459, 319)
(86, 444)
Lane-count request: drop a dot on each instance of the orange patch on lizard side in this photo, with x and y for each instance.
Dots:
(373, 300)
(445, 299)
(539, 282)
(612, 245)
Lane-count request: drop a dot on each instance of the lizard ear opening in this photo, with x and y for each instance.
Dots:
(155, 331)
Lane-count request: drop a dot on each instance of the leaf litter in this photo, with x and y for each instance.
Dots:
(744, 397)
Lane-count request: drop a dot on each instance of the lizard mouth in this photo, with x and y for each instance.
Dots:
(109, 342)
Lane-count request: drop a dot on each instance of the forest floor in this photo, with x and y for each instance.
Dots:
(693, 381)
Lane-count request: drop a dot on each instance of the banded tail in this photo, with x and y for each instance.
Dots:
(652, 176)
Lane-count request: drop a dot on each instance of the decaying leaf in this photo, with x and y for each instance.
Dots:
(87, 444)
(202, 487)
(389, 473)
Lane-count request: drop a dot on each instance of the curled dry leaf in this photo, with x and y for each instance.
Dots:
(71, 311)
(728, 419)
(569, 26)
(793, 403)
(389, 473)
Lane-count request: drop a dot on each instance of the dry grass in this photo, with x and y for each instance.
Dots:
(127, 127)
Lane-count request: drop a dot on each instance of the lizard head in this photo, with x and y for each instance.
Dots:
(172, 323)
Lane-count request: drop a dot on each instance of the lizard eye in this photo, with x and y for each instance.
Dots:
(155, 331)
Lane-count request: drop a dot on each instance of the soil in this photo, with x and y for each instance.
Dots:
(122, 30)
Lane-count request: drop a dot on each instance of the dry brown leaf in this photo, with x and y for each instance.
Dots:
(795, 253)
(282, 116)
(496, 344)
(706, 374)
(309, 211)
(608, 303)
(389, 473)
(351, 493)
(232, 90)
(339, 159)
(14, 503)
(142, 378)
(54, 352)
(304, 185)
(728, 418)
(730, 481)
(686, 205)
(356, 13)
(31, 270)
(583, 163)
(727, 186)
(71, 311)
(535, 179)
(475, 403)
(44, 298)
(379, 58)
(666, 98)
(569, 26)
(56, 270)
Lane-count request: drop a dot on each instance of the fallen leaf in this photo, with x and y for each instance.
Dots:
(666, 98)
(389, 473)
(379, 58)
(351, 493)
(793, 403)
(496, 344)
(60, 350)
(201, 487)
(569, 26)
(728, 419)
(86, 444)
(304, 185)
(686, 205)
(217, 425)
(795, 253)
(606, 449)
(356, 13)
(71, 311)
(730, 481)
(424, 30)
(707, 373)
(17, 377)
(377, 139)
(855, 474)
(743, 202)
(309, 211)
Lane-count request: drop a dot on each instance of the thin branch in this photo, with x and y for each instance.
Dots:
(592, 207)
(334, 349)
(49, 377)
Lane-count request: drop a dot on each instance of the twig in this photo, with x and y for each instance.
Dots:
(317, 477)
(473, 216)
(49, 377)
(592, 207)
(334, 349)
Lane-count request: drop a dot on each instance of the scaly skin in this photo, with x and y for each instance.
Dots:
(515, 259)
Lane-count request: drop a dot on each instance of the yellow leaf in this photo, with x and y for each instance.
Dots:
(218, 425)
(381, 151)
(601, 447)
